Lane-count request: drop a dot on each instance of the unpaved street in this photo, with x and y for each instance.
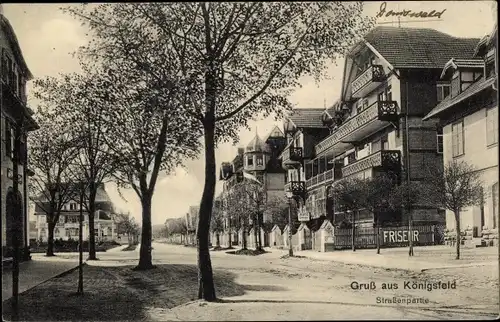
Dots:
(264, 287)
(302, 288)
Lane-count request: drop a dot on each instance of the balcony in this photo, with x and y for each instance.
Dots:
(320, 179)
(371, 120)
(291, 157)
(386, 159)
(367, 81)
(297, 187)
(72, 225)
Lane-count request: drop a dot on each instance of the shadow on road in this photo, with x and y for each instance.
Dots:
(118, 293)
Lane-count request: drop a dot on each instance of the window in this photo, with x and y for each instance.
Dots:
(489, 66)
(9, 139)
(260, 160)
(457, 137)
(439, 138)
(72, 206)
(73, 219)
(443, 90)
(491, 126)
(385, 143)
(388, 93)
(5, 68)
(362, 105)
(250, 160)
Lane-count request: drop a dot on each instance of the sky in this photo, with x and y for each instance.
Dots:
(47, 38)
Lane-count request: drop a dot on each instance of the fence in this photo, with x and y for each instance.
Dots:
(388, 237)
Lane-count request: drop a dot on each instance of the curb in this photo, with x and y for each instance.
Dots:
(69, 271)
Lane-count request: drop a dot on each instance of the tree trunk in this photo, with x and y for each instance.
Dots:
(410, 232)
(255, 234)
(217, 235)
(230, 234)
(353, 231)
(145, 258)
(258, 233)
(92, 194)
(377, 227)
(205, 277)
(244, 236)
(50, 240)
(459, 236)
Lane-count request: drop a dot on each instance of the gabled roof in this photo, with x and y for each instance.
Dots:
(326, 224)
(486, 41)
(274, 133)
(449, 102)
(462, 63)
(307, 117)
(14, 43)
(257, 145)
(419, 47)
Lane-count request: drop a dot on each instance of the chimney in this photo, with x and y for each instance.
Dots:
(241, 151)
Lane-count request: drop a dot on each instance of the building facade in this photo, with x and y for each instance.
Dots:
(16, 120)
(68, 224)
(258, 160)
(468, 116)
(391, 81)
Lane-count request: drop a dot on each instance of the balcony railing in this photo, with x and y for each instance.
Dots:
(374, 74)
(376, 111)
(319, 179)
(298, 187)
(291, 156)
(388, 159)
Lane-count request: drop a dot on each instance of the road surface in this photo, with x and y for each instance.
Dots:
(307, 289)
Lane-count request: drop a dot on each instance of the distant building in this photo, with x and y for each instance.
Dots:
(15, 115)
(260, 160)
(469, 120)
(68, 225)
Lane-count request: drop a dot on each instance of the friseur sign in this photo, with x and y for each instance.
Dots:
(400, 236)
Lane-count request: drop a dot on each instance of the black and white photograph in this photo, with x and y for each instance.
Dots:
(249, 161)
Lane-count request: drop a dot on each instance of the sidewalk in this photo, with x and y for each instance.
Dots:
(117, 249)
(35, 272)
(431, 257)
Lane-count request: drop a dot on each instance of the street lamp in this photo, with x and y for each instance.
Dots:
(289, 196)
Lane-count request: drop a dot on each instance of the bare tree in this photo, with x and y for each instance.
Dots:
(242, 59)
(78, 99)
(378, 196)
(348, 196)
(455, 188)
(217, 224)
(52, 153)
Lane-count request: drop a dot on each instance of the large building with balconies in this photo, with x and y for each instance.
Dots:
(391, 81)
(16, 120)
(259, 160)
(68, 225)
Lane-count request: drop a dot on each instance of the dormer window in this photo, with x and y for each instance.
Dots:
(250, 160)
(443, 90)
(489, 64)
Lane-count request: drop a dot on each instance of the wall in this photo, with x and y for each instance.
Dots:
(483, 158)
(6, 163)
